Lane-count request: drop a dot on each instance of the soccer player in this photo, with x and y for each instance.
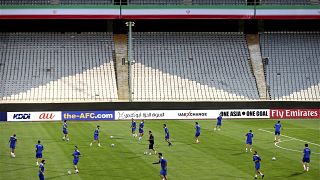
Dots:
(13, 140)
(249, 140)
(41, 170)
(219, 122)
(277, 128)
(163, 163)
(167, 134)
(141, 131)
(151, 143)
(133, 127)
(197, 132)
(96, 136)
(65, 131)
(76, 155)
(306, 157)
(39, 149)
(257, 160)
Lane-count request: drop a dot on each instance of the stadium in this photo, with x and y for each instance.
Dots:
(90, 89)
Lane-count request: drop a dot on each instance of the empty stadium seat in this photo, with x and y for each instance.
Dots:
(57, 67)
(195, 66)
(293, 64)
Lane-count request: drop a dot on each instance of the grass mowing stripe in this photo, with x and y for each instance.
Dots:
(220, 155)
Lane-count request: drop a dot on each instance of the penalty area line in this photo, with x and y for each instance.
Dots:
(291, 137)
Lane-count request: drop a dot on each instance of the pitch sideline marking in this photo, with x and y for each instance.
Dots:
(291, 138)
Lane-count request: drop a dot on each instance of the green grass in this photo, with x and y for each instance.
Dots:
(220, 155)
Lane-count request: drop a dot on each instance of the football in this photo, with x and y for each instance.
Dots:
(112, 145)
(273, 158)
(69, 172)
(111, 137)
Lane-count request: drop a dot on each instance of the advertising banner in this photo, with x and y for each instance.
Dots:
(167, 114)
(294, 113)
(246, 113)
(34, 116)
(88, 115)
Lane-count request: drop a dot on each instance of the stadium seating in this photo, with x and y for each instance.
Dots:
(219, 2)
(48, 2)
(25, 2)
(285, 2)
(57, 67)
(86, 2)
(195, 66)
(293, 64)
(156, 2)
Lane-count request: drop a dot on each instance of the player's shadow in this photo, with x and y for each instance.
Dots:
(295, 174)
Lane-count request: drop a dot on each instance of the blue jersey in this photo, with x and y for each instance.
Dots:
(39, 148)
(256, 159)
(166, 131)
(13, 141)
(306, 153)
(76, 155)
(41, 169)
(163, 163)
(249, 136)
(277, 127)
(219, 119)
(96, 132)
(197, 128)
(133, 124)
(65, 126)
(141, 125)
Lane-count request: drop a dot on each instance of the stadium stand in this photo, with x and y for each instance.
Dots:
(156, 2)
(57, 67)
(25, 2)
(285, 2)
(293, 64)
(86, 2)
(195, 66)
(219, 2)
(49, 2)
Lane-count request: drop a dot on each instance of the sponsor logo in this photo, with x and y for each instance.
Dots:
(46, 116)
(88, 115)
(21, 116)
(294, 113)
(245, 113)
(34, 116)
(191, 114)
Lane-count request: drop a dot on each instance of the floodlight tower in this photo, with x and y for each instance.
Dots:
(130, 62)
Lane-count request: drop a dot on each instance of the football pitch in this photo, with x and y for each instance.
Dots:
(219, 155)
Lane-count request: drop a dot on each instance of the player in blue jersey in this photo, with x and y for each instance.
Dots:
(96, 136)
(41, 170)
(277, 128)
(12, 141)
(65, 131)
(249, 140)
(39, 149)
(76, 155)
(219, 122)
(257, 161)
(141, 130)
(133, 127)
(306, 157)
(163, 163)
(167, 134)
(197, 132)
